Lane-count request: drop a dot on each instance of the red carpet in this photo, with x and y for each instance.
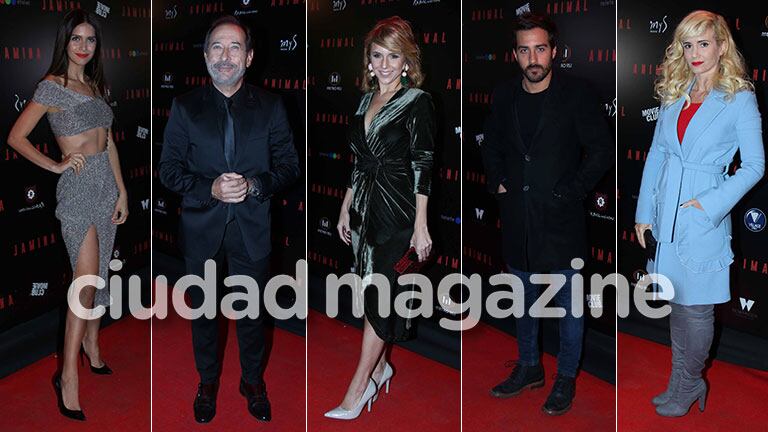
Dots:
(736, 400)
(486, 349)
(424, 395)
(119, 402)
(175, 382)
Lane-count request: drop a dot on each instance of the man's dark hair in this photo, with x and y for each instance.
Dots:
(229, 19)
(530, 21)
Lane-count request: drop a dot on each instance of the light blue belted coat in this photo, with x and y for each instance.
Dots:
(695, 246)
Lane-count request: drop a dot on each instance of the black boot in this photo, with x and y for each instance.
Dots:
(521, 378)
(561, 396)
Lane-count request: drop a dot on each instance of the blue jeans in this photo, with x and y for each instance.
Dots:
(571, 328)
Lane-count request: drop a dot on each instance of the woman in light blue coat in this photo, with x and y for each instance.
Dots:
(708, 112)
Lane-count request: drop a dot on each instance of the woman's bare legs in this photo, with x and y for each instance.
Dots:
(91, 342)
(87, 263)
(379, 370)
(370, 353)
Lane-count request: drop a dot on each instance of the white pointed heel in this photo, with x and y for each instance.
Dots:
(366, 398)
(386, 377)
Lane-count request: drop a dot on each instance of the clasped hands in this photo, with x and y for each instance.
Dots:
(230, 188)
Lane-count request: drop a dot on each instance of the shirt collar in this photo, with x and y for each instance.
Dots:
(219, 97)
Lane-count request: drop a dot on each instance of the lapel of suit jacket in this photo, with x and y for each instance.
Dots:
(246, 113)
(516, 89)
(671, 114)
(712, 106)
(210, 113)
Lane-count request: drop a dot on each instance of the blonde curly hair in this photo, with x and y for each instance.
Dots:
(394, 34)
(677, 75)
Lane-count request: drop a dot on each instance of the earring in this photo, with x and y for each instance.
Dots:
(370, 69)
(404, 80)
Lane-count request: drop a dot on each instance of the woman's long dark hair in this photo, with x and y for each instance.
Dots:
(94, 70)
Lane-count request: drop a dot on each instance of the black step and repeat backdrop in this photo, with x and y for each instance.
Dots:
(586, 49)
(277, 28)
(337, 30)
(36, 269)
(644, 30)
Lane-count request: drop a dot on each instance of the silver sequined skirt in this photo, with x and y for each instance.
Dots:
(87, 199)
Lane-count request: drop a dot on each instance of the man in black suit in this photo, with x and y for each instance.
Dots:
(228, 148)
(546, 144)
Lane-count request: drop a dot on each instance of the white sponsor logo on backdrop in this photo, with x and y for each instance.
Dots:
(38, 289)
(650, 114)
(746, 304)
(289, 44)
(338, 5)
(658, 26)
(18, 105)
(102, 9)
(171, 13)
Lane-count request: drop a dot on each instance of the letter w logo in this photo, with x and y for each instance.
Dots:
(746, 304)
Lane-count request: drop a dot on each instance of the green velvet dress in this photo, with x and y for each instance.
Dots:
(393, 163)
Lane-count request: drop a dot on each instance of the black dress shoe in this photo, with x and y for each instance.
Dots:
(258, 404)
(205, 402)
(102, 370)
(521, 378)
(66, 412)
(559, 400)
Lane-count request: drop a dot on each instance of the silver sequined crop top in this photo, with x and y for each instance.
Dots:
(77, 112)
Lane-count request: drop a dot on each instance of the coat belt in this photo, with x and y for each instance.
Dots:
(371, 164)
(668, 213)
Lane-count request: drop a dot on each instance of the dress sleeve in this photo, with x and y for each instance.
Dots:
(421, 125)
(349, 177)
(47, 93)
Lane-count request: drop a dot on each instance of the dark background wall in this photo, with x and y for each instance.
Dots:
(586, 49)
(35, 266)
(337, 32)
(644, 30)
(278, 66)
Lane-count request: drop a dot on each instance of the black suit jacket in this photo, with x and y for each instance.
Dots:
(542, 212)
(193, 157)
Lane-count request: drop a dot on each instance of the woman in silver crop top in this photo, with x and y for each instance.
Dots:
(90, 195)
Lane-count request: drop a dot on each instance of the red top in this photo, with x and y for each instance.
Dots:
(685, 117)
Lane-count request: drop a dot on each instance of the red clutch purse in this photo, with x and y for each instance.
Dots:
(410, 263)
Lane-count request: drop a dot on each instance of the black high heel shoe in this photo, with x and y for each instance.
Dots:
(103, 370)
(66, 412)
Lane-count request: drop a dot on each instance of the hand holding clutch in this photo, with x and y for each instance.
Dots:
(421, 241)
(409, 263)
(650, 244)
(646, 239)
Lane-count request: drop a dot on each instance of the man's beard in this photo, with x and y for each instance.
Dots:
(528, 71)
(216, 76)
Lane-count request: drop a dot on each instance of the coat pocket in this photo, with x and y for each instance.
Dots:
(703, 247)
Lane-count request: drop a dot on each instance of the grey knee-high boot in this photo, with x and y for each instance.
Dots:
(677, 336)
(699, 321)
